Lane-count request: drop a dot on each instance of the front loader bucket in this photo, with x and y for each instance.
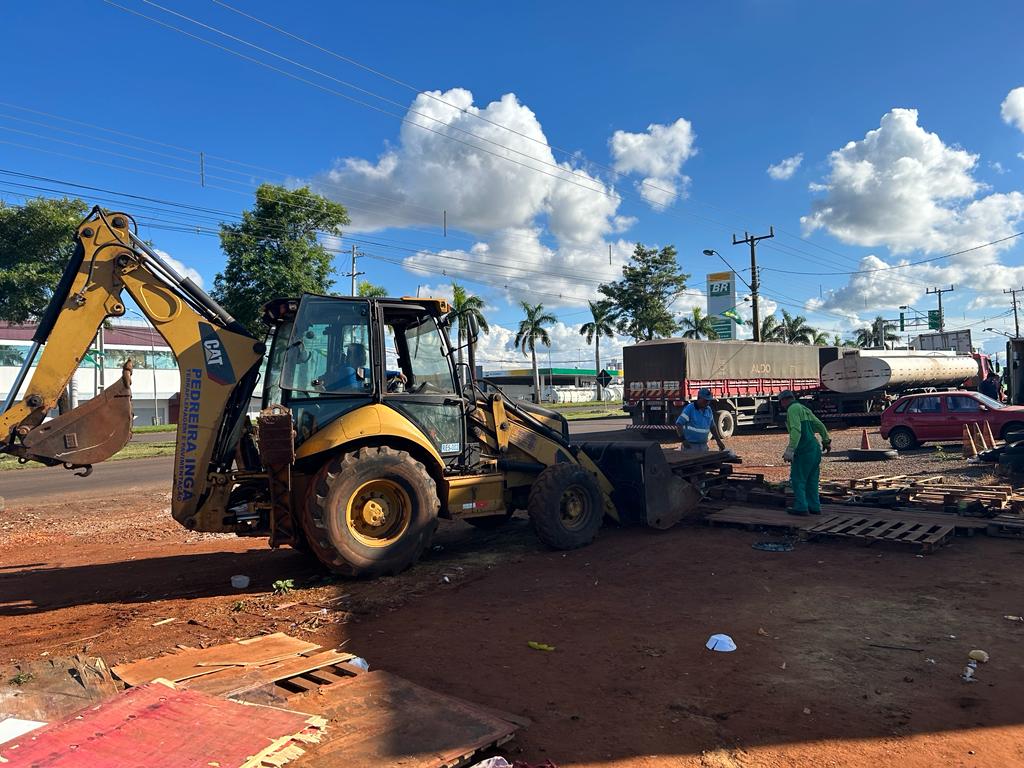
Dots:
(88, 434)
(646, 492)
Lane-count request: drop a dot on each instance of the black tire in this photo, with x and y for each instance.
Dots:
(566, 506)
(902, 439)
(1014, 427)
(489, 523)
(371, 512)
(726, 423)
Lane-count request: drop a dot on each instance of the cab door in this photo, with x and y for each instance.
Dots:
(420, 378)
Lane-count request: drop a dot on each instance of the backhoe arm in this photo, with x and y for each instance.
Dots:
(218, 361)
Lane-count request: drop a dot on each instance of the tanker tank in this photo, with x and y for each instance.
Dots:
(896, 370)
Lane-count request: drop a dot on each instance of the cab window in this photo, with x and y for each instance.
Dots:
(329, 348)
(430, 370)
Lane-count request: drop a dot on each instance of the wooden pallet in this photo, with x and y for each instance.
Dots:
(871, 528)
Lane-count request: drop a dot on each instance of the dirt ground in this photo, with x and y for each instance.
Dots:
(629, 683)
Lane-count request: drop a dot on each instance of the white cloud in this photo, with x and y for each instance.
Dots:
(657, 155)
(1012, 108)
(903, 188)
(182, 269)
(784, 169)
(871, 291)
(568, 348)
(529, 215)
(996, 166)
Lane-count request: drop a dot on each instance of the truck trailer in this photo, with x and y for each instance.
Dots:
(745, 378)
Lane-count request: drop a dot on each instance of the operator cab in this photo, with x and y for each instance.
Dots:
(331, 355)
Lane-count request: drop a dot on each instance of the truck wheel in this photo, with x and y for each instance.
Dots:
(1014, 427)
(371, 512)
(726, 423)
(902, 439)
(566, 506)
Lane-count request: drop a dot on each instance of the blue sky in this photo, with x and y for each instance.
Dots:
(699, 99)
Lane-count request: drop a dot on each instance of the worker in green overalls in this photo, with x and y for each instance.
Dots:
(804, 453)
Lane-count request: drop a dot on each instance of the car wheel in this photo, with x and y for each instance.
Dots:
(902, 439)
(1014, 427)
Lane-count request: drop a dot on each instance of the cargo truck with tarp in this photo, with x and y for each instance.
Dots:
(745, 378)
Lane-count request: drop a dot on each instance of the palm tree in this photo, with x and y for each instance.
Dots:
(875, 335)
(794, 329)
(600, 325)
(368, 290)
(531, 330)
(820, 339)
(464, 306)
(699, 326)
(770, 328)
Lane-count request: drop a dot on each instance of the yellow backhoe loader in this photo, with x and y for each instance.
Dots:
(367, 433)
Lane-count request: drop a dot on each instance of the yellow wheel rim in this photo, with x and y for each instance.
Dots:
(573, 507)
(378, 513)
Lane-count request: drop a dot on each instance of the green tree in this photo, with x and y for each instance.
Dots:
(795, 330)
(368, 290)
(464, 306)
(600, 325)
(820, 338)
(770, 328)
(276, 251)
(698, 326)
(36, 240)
(650, 282)
(532, 329)
(837, 340)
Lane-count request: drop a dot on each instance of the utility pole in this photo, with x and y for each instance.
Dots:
(1016, 323)
(353, 274)
(755, 283)
(938, 292)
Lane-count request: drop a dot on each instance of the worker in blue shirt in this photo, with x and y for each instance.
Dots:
(696, 424)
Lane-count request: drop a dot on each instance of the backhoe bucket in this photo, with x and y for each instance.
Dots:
(646, 492)
(88, 434)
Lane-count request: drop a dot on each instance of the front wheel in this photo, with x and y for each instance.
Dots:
(371, 512)
(566, 506)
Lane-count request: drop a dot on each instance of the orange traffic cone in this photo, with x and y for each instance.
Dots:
(979, 438)
(864, 444)
(970, 449)
(988, 435)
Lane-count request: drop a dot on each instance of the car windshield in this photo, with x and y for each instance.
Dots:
(988, 402)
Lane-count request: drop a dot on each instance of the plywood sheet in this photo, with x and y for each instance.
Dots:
(379, 719)
(159, 726)
(193, 662)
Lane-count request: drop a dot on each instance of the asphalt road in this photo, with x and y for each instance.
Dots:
(155, 473)
(108, 478)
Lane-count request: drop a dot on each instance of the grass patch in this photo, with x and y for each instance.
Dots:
(594, 410)
(155, 428)
(130, 451)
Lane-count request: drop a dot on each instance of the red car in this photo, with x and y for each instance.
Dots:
(940, 416)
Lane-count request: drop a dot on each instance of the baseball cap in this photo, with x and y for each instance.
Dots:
(787, 393)
(705, 393)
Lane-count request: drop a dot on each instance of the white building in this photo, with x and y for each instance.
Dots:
(155, 379)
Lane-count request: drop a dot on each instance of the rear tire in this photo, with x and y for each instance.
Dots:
(371, 512)
(902, 439)
(566, 506)
(726, 423)
(1012, 428)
